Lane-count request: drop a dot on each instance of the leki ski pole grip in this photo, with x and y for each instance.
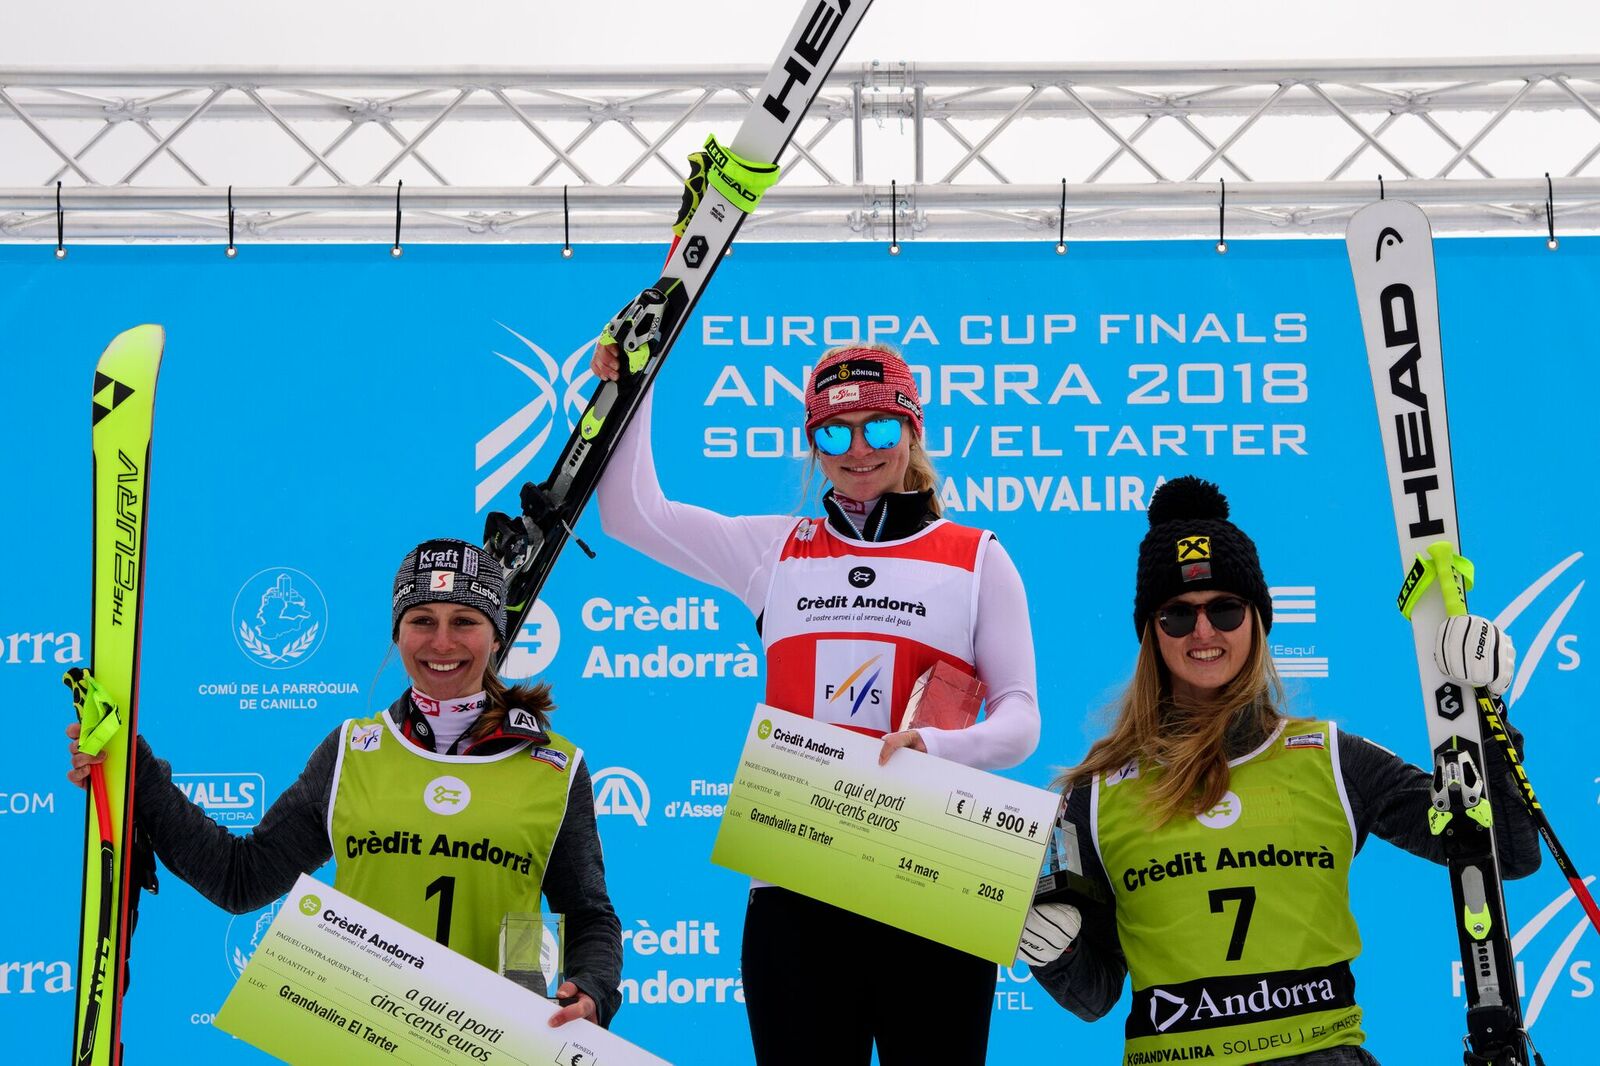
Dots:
(1453, 574)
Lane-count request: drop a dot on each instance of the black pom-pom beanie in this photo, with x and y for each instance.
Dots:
(1192, 547)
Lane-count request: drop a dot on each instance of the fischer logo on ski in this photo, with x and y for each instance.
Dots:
(106, 694)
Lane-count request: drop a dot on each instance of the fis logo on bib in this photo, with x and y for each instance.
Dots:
(555, 392)
(366, 737)
(234, 800)
(854, 682)
(279, 617)
(618, 790)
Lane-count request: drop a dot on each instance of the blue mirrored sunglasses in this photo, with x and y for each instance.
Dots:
(880, 433)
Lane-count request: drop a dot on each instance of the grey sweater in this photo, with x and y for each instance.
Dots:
(243, 872)
(1388, 797)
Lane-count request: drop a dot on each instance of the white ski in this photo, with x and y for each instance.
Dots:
(1390, 245)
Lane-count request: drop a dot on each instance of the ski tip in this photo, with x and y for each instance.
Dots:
(1401, 215)
(147, 334)
(131, 355)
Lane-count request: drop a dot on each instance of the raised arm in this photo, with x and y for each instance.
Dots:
(733, 553)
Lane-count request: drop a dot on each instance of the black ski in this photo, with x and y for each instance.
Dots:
(723, 186)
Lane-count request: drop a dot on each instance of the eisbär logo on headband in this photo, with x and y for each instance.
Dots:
(853, 371)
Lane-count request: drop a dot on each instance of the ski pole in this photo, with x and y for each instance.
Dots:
(1454, 575)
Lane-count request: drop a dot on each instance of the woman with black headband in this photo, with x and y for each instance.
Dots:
(823, 985)
(511, 781)
(1220, 830)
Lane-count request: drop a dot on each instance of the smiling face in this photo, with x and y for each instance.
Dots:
(1205, 660)
(445, 648)
(865, 472)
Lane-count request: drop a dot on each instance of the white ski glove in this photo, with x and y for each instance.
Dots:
(1048, 932)
(1474, 651)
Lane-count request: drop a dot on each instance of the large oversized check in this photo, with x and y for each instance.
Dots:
(923, 844)
(336, 981)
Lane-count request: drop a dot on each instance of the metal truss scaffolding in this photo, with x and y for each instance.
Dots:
(950, 151)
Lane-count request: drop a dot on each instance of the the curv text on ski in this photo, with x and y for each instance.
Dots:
(107, 694)
(724, 186)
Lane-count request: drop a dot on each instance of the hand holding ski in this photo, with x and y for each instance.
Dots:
(106, 695)
(1391, 257)
(1454, 575)
(725, 184)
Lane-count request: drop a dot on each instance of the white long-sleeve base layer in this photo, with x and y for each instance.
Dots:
(737, 554)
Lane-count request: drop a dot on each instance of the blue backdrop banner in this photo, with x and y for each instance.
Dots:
(322, 409)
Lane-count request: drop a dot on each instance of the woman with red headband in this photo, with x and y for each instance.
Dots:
(823, 985)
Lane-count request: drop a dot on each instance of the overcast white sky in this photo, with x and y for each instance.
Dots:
(342, 33)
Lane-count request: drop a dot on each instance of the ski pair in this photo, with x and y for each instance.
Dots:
(723, 187)
(115, 865)
(1390, 246)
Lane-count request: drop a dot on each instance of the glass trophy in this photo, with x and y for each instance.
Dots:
(1062, 880)
(532, 948)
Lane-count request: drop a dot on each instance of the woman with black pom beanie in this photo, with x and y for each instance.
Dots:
(1219, 829)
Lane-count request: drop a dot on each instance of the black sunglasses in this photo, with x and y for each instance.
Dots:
(1177, 619)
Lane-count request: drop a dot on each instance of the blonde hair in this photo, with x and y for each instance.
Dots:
(535, 699)
(920, 475)
(1186, 736)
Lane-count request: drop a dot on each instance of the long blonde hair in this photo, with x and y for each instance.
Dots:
(1186, 736)
(920, 475)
